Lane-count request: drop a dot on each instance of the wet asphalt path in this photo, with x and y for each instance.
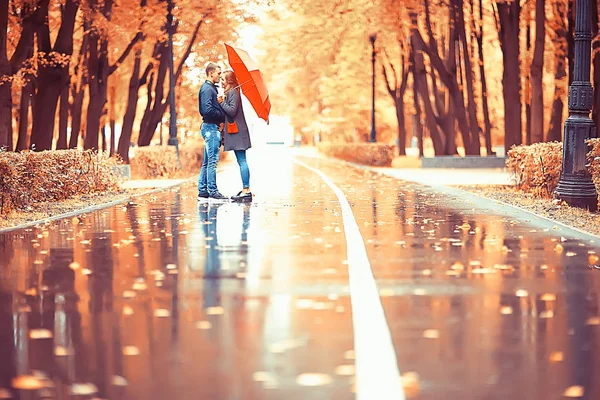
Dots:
(298, 296)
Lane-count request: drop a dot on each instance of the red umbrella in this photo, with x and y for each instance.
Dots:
(251, 80)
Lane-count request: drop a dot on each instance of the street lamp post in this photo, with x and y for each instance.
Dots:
(575, 186)
(172, 111)
(373, 138)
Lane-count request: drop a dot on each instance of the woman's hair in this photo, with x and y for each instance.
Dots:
(230, 78)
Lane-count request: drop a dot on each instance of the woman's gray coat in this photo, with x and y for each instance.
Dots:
(232, 105)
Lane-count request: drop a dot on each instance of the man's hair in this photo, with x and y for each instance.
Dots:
(210, 67)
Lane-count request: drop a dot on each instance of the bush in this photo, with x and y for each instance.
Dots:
(27, 178)
(536, 168)
(160, 162)
(376, 154)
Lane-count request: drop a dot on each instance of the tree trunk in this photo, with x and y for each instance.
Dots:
(51, 78)
(96, 103)
(76, 112)
(5, 83)
(26, 96)
(155, 113)
(98, 80)
(474, 146)
(130, 110)
(144, 123)
(508, 34)
(559, 39)
(160, 107)
(420, 86)
(487, 125)
(63, 119)
(78, 90)
(526, 98)
(396, 91)
(537, 65)
(449, 119)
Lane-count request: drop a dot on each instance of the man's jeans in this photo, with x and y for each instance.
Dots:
(208, 173)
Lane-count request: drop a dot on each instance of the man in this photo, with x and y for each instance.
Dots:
(212, 117)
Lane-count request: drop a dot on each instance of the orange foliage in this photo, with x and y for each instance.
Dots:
(27, 178)
(375, 154)
(536, 168)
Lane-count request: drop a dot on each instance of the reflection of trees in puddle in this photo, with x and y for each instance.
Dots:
(54, 338)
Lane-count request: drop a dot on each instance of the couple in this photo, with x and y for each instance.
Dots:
(222, 119)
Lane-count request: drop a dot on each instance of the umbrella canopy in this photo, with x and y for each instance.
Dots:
(251, 80)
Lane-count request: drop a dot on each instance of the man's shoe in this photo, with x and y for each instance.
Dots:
(242, 197)
(203, 195)
(217, 196)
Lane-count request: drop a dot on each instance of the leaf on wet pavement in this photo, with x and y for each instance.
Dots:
(117, 380)
(548, 297)
(431, 334)
(203, 325)
(593, 321)
(411, 384)
(83, 389)
(40, 334)
(574, 391)
(27, 382)
(131, 351)
(506, 310)
(556, 356)
(162, 313)
(217, 310)
(345, 370)
(522, 293)
(313, 379)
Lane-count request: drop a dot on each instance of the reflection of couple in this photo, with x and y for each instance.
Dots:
(213, 271)
(208, 217)
(222, 121)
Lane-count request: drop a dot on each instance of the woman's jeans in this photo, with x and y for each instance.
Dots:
(244, 171)
(207, 182)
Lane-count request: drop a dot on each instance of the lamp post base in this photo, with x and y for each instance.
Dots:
(172, 141)
(577, 190)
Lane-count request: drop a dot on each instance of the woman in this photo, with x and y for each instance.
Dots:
(236, 136)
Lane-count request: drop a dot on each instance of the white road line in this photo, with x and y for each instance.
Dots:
(377, 373)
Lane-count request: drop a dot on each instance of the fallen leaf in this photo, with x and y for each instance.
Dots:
(593, 321)
(215, 310)
(431, 334)
(411, 384)
(556, 356)
(119, 381)
(574, 391)
(27, 382)
(313, 379)
(345, 370)
(40, 334)
(203, 325)
(162, 313)
(83, 389)
(506, 310)
(131, 351)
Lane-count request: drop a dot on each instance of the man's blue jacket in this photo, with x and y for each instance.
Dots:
(210, 110)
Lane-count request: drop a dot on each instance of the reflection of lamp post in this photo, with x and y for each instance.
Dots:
(372, 38)
(173, 119)
(575, 185)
